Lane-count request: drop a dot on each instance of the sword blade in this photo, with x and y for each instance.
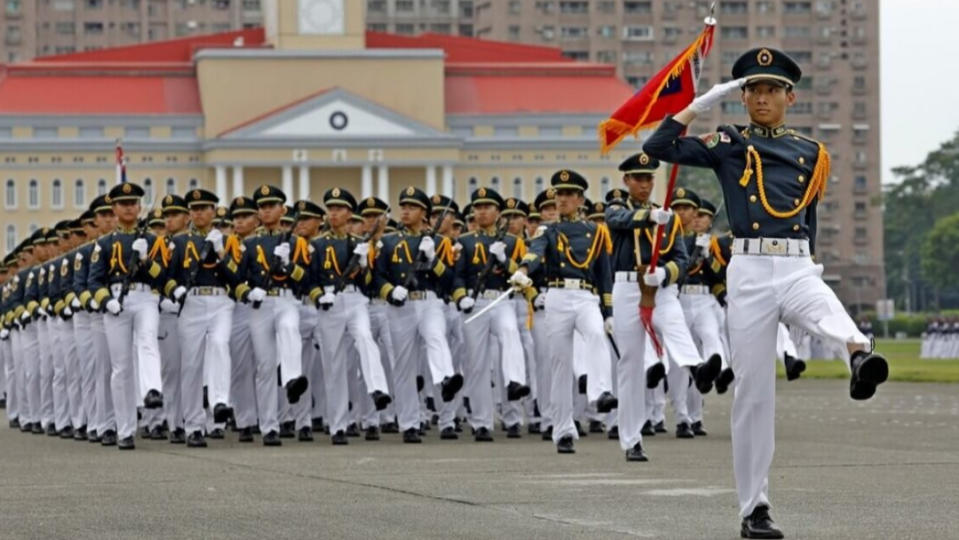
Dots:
(489, 306)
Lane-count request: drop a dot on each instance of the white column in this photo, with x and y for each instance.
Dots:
(366, 183)
(238, 181)
(430, 180)
(383, 183)
(304, 182)
(288, 182)
(448, 180)
(221, 189)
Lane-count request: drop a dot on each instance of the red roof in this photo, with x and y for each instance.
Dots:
(482, 77)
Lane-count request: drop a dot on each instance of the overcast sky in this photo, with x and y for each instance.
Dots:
(919, 77)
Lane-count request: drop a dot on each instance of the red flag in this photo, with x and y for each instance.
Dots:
(121, 164)
(671, 90)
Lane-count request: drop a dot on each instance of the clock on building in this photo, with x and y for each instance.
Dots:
(321, 16)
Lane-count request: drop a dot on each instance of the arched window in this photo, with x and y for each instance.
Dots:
(194, 183)
(518, 187)
(11, 237)
(79, 194)
(473, 184)
(10, 197)
(56, 194)
(33, 193)
(539, 184)
(33, 228)
(101, 187)
(147, 192)
(494, 183)
(170, 186)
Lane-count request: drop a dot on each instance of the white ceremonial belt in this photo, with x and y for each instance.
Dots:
(378, 302)
(627, 276)
(782, 247)
(117, 288)
(694, 289)
(349, 288)
(571, 283)
(421, 295)
(280, 292)
(489, 294)
(207, 291)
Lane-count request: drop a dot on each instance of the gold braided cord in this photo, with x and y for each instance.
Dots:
(600, 241)
(677, 227)
(816, 187)
(116, 258)
(302, 251)
(331, 261)
(233, 247)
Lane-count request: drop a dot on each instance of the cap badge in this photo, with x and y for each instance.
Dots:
(680, 192)
(764, 57)
(643, 159)
(302, 205)
(564, 175)
(168, 199)
(481, 192)
(265, 190)
(511, 203)
(335, 192)
(371, 202)
(410, 191)
(126, 188)
(437, 199)
(196, 194)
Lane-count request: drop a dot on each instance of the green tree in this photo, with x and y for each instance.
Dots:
(939, 254)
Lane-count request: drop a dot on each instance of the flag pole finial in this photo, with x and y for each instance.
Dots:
(710, 20)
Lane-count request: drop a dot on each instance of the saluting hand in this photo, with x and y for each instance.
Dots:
(715, 94)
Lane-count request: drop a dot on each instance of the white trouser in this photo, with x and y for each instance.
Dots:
(457, 341)
(64, 355)
(170, 364)
(133, 331)
(523, 322)
(203, 331)
(380, 326)
(631, 339)
(302, 411)
(106, 414)
(30, 362)
(670, 325)
(544, 383)
(415, 321)
(275, 331)
(8, 366)
(764, 290)
(704, 325)
(784, 344)
(243, 372)
(694, 404)
(569, 311)
(83, 335)
(45, 337)
(347, 324)
(72, 366)
(499, 323)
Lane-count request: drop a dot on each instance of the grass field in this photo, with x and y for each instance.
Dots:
(904, 364)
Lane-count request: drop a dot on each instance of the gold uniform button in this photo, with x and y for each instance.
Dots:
(755, 226)
(802, 179)
(750, 147)
(796, 202)
(752, 198)
(796, 227)
(802, 160)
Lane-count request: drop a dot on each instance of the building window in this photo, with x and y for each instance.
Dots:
(604, 186)
(734, 8)
(472, 184)
(518, 187)
(765, 31)
(148, 192)
(194, 183)
(10, 194)
(33, 193)
(45, 132)
(170, 186)
(638, 32)
(11, 237)
(101, 187)
(79, 195)
(56, 194)
(494, 183)
(539, 184)
(638, 8)
(137, 132)
(734, 32)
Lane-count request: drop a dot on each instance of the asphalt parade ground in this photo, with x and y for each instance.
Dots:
(886, 468)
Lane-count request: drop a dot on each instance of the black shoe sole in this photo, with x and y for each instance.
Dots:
(655, 375)
(452, 387)
(295, 389)
(872, 372)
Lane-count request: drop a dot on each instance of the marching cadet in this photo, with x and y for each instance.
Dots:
(373, 210)
(443, 219)
(487, 257)
(543, 204)
(46, 274)
(267, 283)
(223, 222)
(67, 394)
(339, 270)
(410, 274)
(8, 398)
(25, 346)
(771, 177)
(82, 333)
(176, 217)
(573, 255)
(196, 282)
(124, 278)
(102, 428)
(243, 388)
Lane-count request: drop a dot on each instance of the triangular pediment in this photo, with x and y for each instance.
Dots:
(331, 115)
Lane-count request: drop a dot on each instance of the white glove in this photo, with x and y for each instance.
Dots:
(42, 272)
(656, 278)
(257, 295)
(608, 325)
(326, 301)
(140, 246)
(498, 248)
(4, 334)
(42, 312)
(660, 216)
(179, 292)
(520, 280)
(75, 303)
(168, 306)
(715, 94)
(283, 252)
(113, 306)
(363, 252)
(67, 312)
(539, 302)
(216, 238)
(428, 248)
(25, 317)
(399, 293)
(702, 240)
(94, 305)
(466, 304)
